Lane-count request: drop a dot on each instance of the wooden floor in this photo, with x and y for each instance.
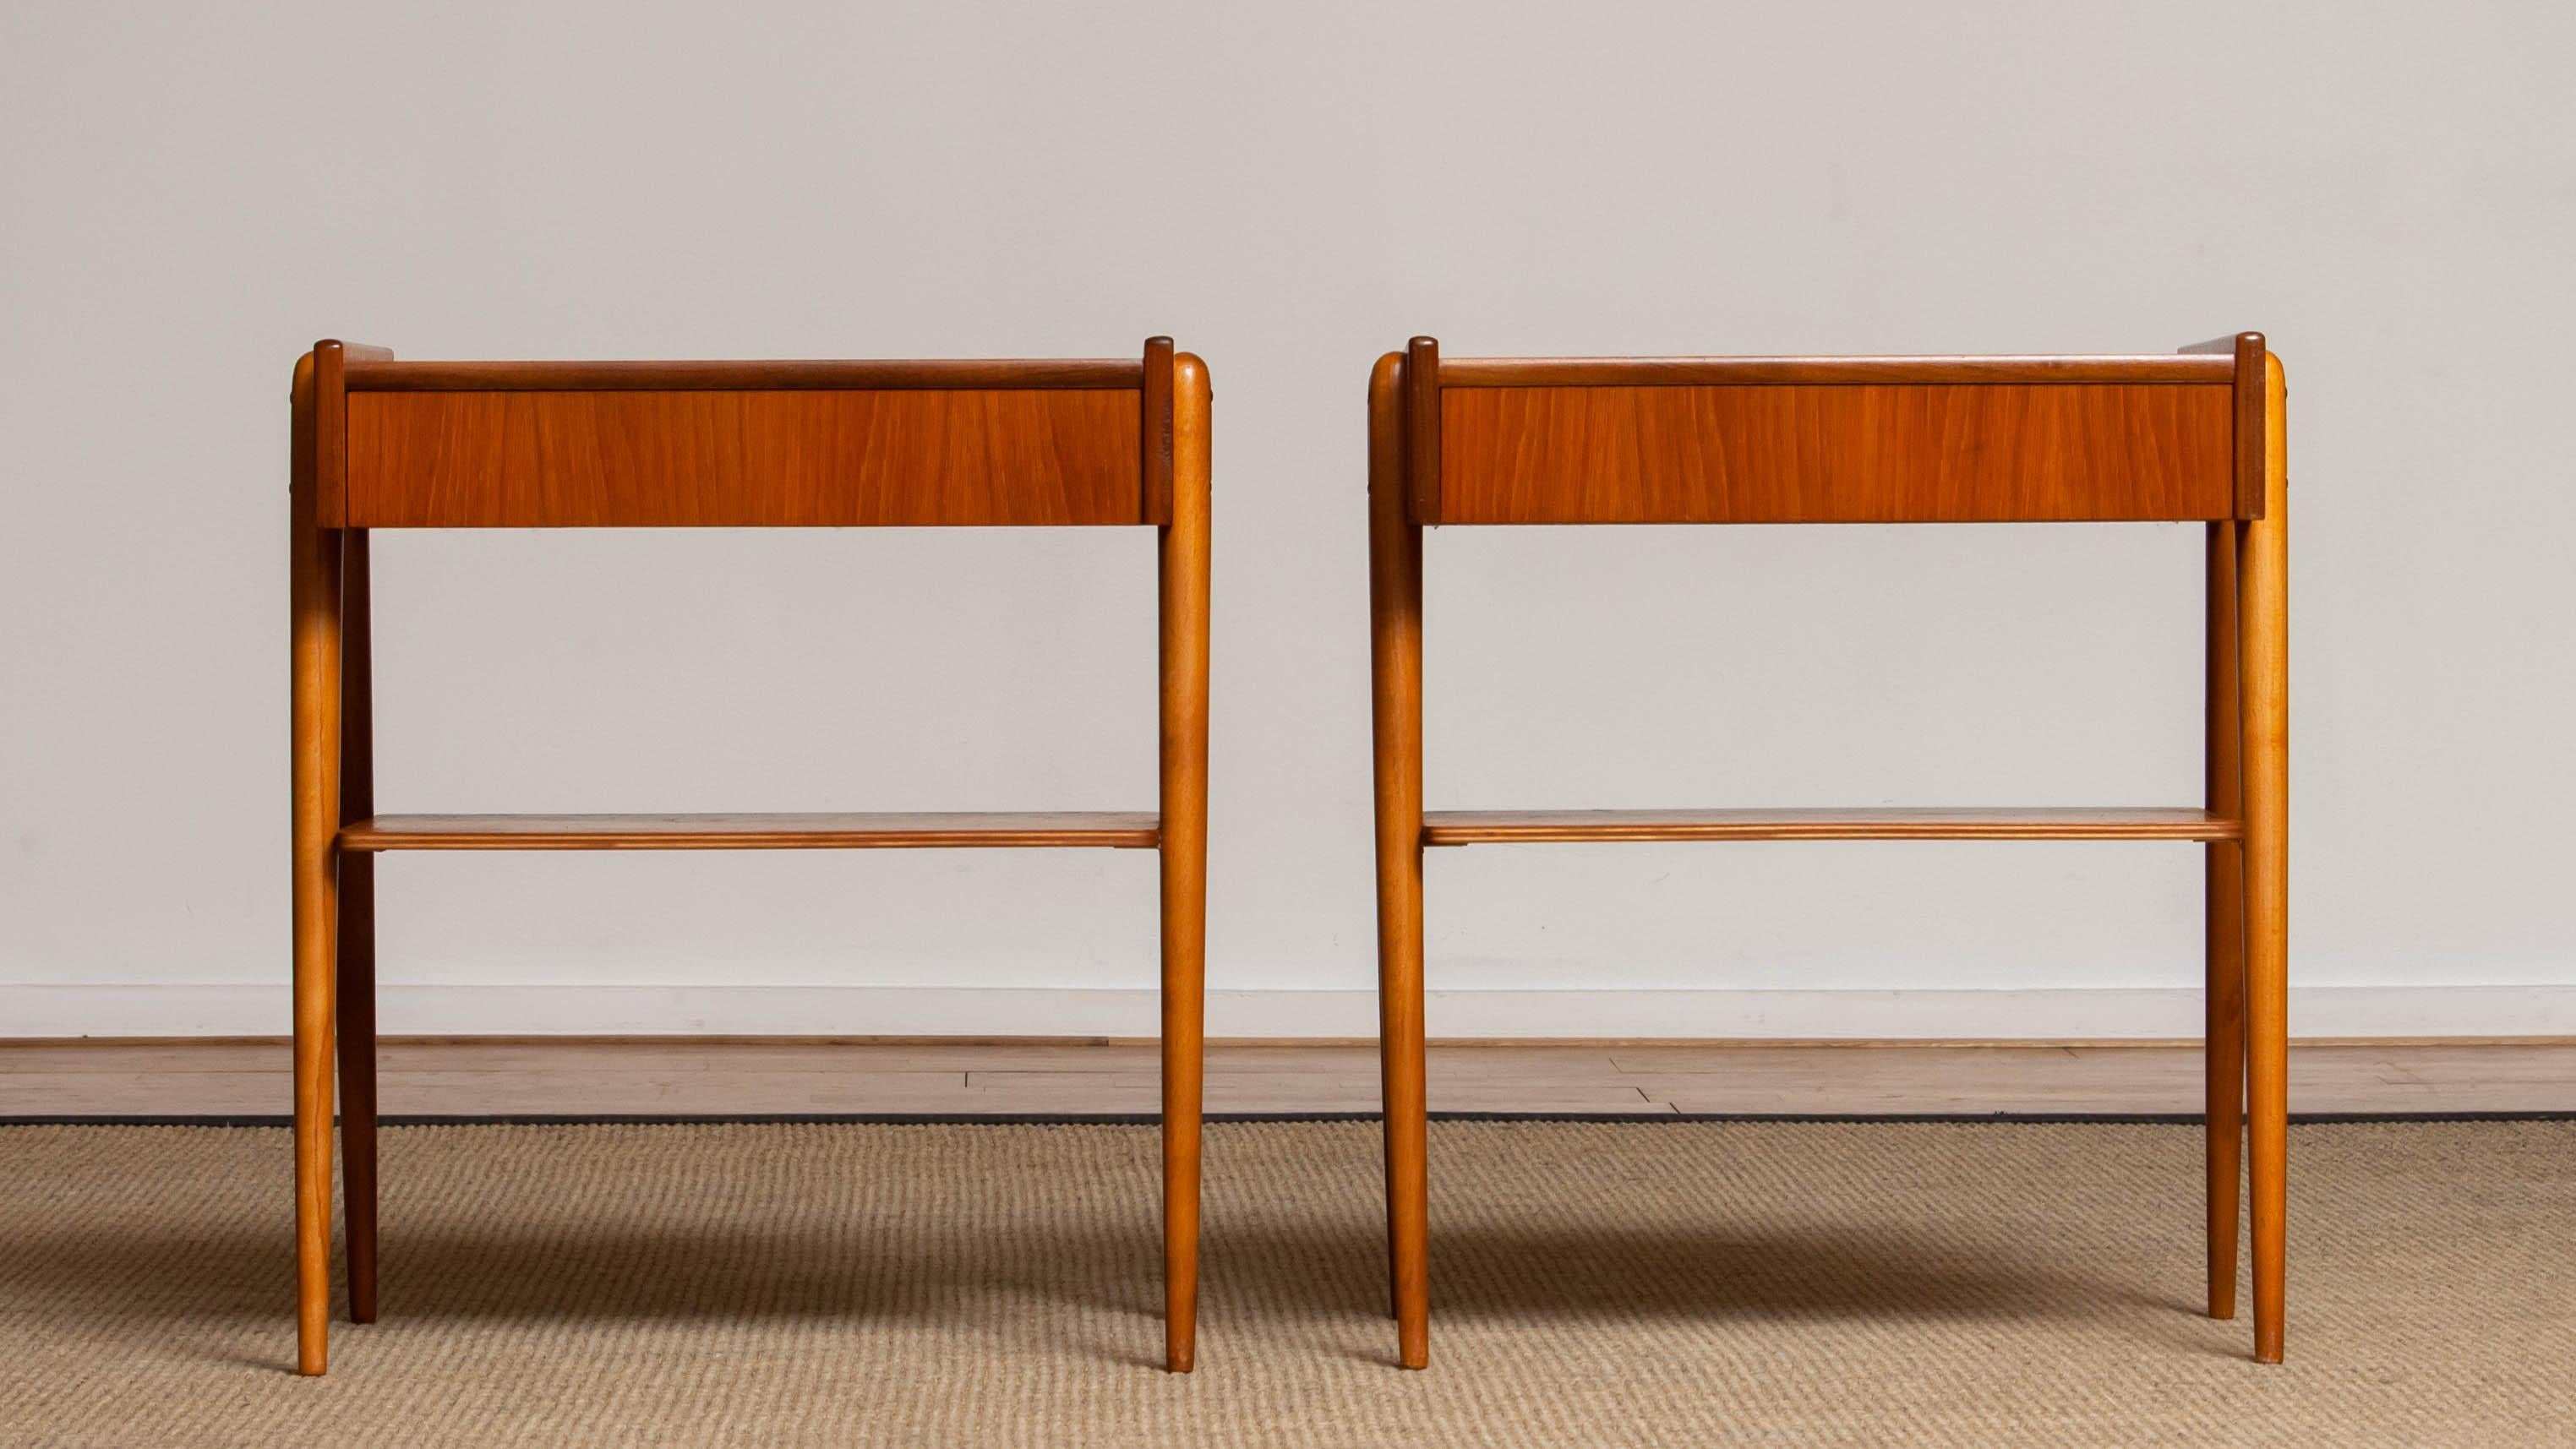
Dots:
(542, 1076)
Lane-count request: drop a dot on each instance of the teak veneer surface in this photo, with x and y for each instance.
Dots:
(824, 457)
(1841, 452)
(381, 372)
(1477, 827)
(794, 831)
(1813, 371)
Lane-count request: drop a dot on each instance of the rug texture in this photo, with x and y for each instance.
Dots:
(1593, 1284)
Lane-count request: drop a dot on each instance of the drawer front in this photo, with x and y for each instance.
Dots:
(784, 458)
(1837, 453)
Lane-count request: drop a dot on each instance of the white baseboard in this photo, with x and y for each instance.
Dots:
(262, 1010)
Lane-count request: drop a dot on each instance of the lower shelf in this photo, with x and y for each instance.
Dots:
(1129, 830)
(1483, 827)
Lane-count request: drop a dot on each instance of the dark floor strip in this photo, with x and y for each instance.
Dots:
(1148, 1119)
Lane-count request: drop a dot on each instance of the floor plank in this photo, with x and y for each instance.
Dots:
(531, 1076)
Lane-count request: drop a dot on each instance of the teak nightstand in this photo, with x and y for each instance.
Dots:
(384, 444)
(2197, 436)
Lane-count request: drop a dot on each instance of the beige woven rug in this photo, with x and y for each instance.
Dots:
(1631, 1284)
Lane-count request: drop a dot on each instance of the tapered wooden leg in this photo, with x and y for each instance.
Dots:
(315, 772)
(356, 983)
(2223, 919)
(1395, 658)
(1185, 548)
(2263, 588)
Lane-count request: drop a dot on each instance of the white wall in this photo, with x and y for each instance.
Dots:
(194, 193)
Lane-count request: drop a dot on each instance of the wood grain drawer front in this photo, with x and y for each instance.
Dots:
(571, 459)
(1976, 453)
